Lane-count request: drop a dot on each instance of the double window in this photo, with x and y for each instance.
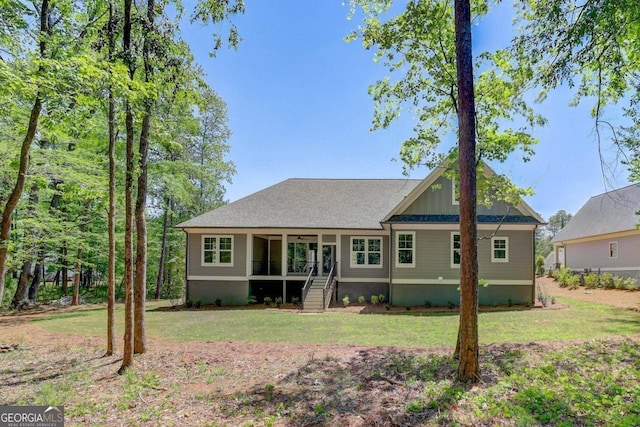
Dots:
(405, 247)
(366, 252)
(217, 251)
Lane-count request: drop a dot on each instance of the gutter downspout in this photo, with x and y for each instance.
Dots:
(533, 288)
(186, 266)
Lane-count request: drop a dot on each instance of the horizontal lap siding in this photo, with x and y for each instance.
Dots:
(433, 257)
(595, 255)
(194, 257)
(365, 272)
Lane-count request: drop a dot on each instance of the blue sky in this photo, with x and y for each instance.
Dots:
(298, 106)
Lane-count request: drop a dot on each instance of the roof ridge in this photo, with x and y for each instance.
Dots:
(637, 184)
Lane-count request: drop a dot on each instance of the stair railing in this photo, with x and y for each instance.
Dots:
(329, 286)
(307, 284)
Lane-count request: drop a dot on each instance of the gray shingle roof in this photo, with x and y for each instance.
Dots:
(611, 212)
(311, 203)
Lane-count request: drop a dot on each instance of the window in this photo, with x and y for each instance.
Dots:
(404, 249)
(217, 250)
(613, 249)
(366, 252)
(455, 250)
(500, 249)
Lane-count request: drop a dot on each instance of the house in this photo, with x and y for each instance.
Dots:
(357, 237)
(603, 236)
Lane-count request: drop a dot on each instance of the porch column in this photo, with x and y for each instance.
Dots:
(319, 257)
(249, 254)
(285, 254)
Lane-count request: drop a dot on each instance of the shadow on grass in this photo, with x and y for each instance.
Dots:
(379, 386)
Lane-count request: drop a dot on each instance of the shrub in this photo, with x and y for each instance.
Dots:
(381, 298)
(428, 304)
(573, 282)
(267, 300)
(218, 302)
(631, 283)
(539, 265)
(295, 301)
(278, 302)
(252, 299)
(450, 304)
(345, 300)
(374, 299)
(361, 299)
(607, 280)
(591, 281)
(188, 303)
(562, 276)
(388, 306)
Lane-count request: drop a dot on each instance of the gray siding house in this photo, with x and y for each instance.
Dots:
(603, 236)
(399, 238)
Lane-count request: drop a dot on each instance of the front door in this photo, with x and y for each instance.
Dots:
(328, 257)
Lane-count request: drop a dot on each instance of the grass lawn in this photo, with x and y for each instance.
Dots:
(580, 321)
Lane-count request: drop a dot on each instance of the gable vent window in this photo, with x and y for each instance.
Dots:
(405, 245)
(613, 250)
(366, 252)
(217, 251)
(500, 249)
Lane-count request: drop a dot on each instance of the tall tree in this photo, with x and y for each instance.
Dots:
(468, 344)
(590, 46)
(44, 32)
(427, 47)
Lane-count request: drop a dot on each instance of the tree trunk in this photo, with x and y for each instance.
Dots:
(111, 269)
(468, 346)
(64, 276)
(127, 356)
(25, 275)
(75, 299)
(38, 276)
(140, 338)
(163, 248)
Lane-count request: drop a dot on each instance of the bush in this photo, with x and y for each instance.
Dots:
(563, 275)
(573, 282)
(539, 265)
(252, 299)
(374, 299)
(361, 299)
(631, 284)
(450, 304)
(381, 298)
(218, 302)
(607, 281)
(267, 301)
(428, 304)
(388, 306)
(295, 301)
(278, 302)
(345, 300)
(591, 281)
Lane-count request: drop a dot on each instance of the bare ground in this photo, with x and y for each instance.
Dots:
(237, 383)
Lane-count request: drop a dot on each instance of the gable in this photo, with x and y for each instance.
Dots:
(434, 198)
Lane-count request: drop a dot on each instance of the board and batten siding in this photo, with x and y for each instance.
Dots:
(594, 255)
(194, 257)
(438, 200)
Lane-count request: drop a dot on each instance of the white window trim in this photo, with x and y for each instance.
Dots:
(413, 250)
(215, 262)
(493, 249)
(451, 249)
(366, 252)
(612, 245)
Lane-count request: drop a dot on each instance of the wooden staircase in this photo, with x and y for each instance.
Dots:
(314, 302)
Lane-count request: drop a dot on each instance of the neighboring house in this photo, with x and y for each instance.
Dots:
(603, 236)
(399, 238)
